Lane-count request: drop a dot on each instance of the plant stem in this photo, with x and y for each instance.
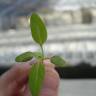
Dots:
(42, 51)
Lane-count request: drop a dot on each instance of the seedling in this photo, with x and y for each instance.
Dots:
(37, 71)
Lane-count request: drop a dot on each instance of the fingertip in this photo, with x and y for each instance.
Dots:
(48, 63)
(52, 79)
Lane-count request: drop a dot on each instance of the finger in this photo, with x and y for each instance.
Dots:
(48, 63)
(16, 87)
(51, 83)
(52, 75)
(14, 74)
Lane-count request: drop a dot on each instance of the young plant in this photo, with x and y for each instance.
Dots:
(37, 71)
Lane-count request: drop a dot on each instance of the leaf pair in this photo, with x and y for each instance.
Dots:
(57, 60)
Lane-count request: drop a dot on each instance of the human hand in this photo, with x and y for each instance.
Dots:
(14, 82)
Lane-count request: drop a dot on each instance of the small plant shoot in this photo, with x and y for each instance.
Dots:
(37, 71)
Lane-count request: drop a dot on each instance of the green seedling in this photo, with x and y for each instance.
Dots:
(37, 71)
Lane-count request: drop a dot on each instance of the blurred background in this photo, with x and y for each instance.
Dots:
(71, 26)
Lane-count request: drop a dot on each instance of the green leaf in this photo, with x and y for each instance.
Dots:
(24, 57)
(38, 29)
(36, 77)
(37, 55)
(58, 61)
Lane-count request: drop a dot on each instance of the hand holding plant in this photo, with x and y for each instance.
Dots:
(37, 71)
(14, 82)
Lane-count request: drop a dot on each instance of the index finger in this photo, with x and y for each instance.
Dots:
(14, 73)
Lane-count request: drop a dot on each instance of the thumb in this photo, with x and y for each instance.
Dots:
(51, 83)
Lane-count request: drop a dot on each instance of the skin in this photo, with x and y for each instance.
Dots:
(14, 81)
